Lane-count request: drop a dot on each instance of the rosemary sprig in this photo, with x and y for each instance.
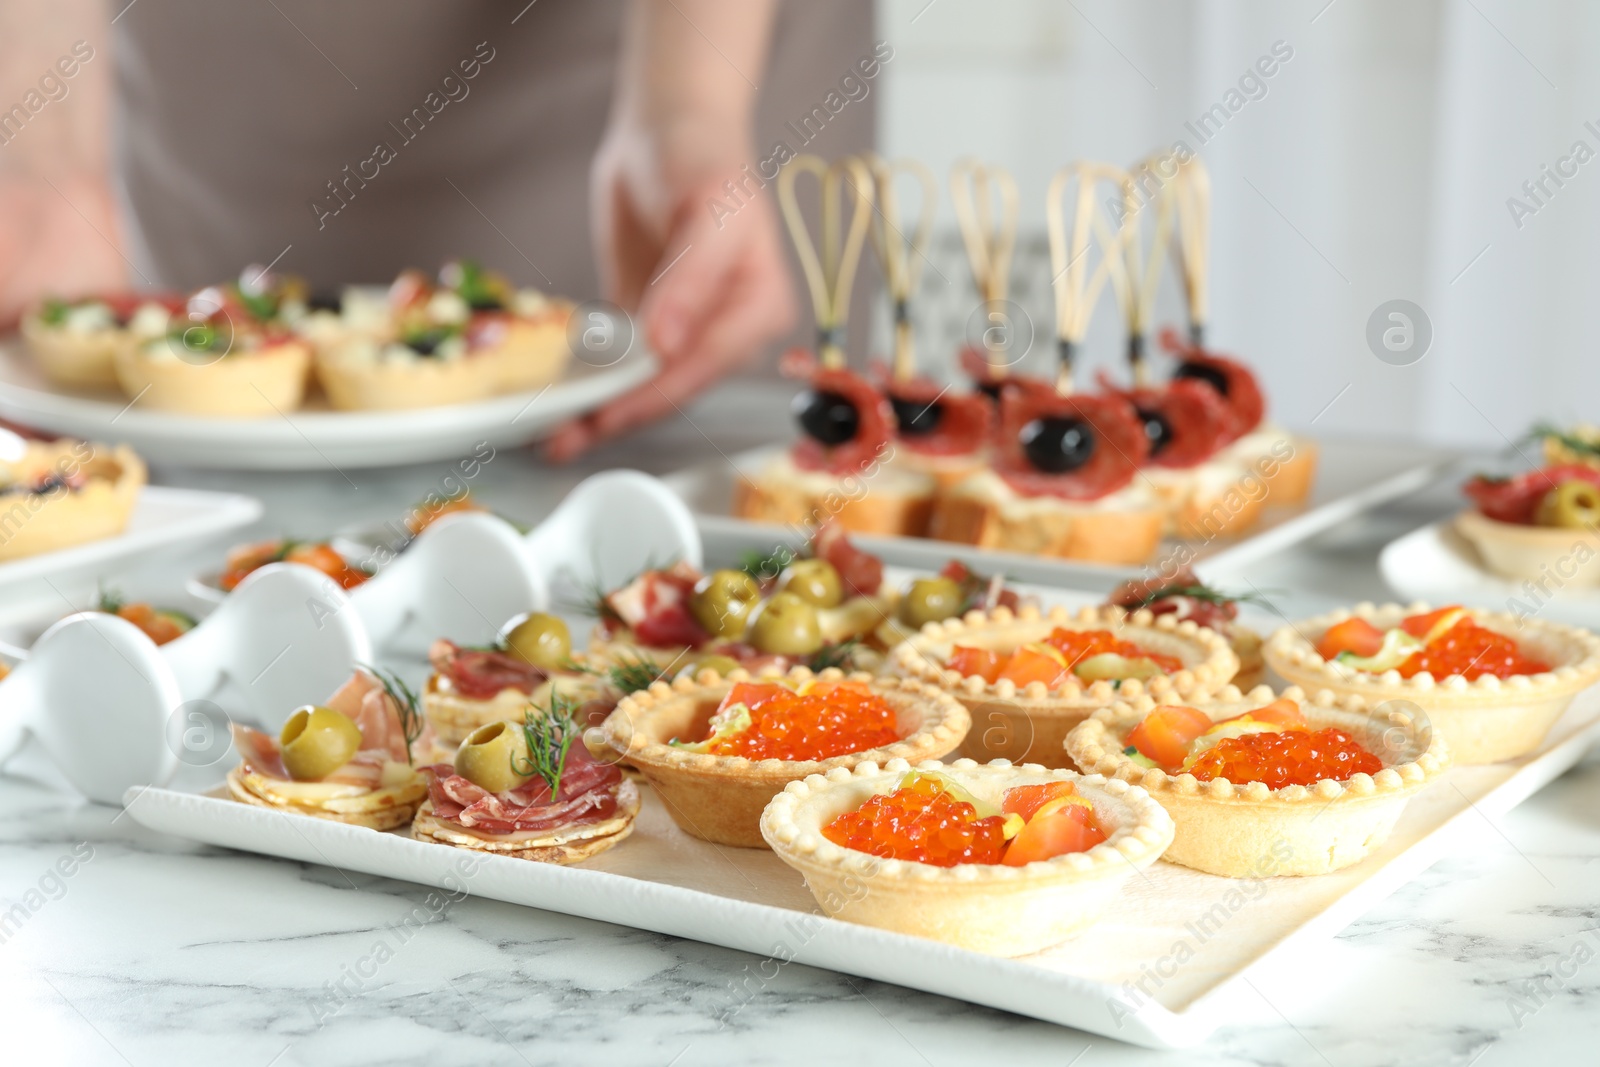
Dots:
(549, 733)
(405, 702)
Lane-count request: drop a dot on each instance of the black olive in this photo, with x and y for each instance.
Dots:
(323, 302)
(916, 417)
(991, 390)
(829, 417)
(485, 302)
(1057, 446)
(1157, 429)
(1203, 372)
(425, 342)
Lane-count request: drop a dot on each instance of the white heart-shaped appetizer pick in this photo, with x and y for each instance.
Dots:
(610, 527)
(99, 697)
(465, 575)
(287, 636)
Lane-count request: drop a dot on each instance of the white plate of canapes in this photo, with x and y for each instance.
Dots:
(1528, 543)
(249, 374)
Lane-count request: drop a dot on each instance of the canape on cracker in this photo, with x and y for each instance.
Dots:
(348, 760)
(528, 790)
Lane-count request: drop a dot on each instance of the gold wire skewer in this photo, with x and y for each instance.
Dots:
(830, 276)
(1192, 197)
(1138, 296)
(990, 237)
(1077, 288)
(902, 255)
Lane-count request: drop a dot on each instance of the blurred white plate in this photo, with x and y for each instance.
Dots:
(163, 519)
(1437, 564)
(315, 437)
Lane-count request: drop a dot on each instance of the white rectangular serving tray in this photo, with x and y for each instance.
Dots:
(1353, 477)
(163, 520)
(663, 880)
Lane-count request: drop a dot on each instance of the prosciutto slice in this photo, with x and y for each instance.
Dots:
(588, 795)
(655, 606)
(860, 571)
(480, 674)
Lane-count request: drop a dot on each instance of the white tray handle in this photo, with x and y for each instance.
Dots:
(610, 527)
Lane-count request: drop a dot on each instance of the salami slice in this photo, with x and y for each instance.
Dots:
(1516, 499)
(588, 794)
(874, 418)
(1231, 379)
(958, 424)
(1118, 445)
(861, 572)
(1186, 420)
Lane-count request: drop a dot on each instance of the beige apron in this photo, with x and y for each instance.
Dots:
(357, 138)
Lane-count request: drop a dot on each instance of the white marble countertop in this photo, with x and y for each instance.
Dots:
(154, 951)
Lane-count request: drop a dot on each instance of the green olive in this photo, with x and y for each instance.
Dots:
(538, 639)
(813, 580)
(711, 661)
(722, 601)
(786, 625)
(1571, 504)
(490, 756)
(318, 741)
(930, 600)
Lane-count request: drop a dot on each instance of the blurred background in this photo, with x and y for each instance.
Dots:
(1375, 164)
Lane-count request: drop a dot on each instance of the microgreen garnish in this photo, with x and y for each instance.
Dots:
(549, 733)
(261, 303)
(109, 601)
(54, 312)
(405, 702)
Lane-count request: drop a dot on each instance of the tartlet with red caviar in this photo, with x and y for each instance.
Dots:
(1493, 683)
(1073, 841)
(1028, 677)
(717, 749)
(1260, 787)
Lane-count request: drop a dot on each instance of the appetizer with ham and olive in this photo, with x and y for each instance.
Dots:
(1542, 525)
(527, 788)
(1185, 597)
(348, 760)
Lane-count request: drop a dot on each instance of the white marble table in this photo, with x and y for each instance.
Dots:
(156, 951)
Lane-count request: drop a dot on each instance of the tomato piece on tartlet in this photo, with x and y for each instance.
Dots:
(244, 560)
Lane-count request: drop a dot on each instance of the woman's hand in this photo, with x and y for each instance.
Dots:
(701, 270)
(57, 238)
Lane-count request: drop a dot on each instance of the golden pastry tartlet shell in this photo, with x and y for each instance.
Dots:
(97, 510)
(1245, 830)
(991, 908)
(1033, 721)
(720, 798)
(1486, 720)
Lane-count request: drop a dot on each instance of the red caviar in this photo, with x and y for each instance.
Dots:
(1079, 645)
(826, 720)
(923, 823)
(1287, 757)
(1471, 651)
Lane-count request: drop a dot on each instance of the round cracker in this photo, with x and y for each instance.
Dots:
(385, 818)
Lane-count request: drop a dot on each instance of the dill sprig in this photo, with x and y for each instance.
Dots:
(840, 655)
(405, 702)
(549, 733)
(592, 592)
(1201, 592)
(632, 675)
(765, 566)
(109, 601)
